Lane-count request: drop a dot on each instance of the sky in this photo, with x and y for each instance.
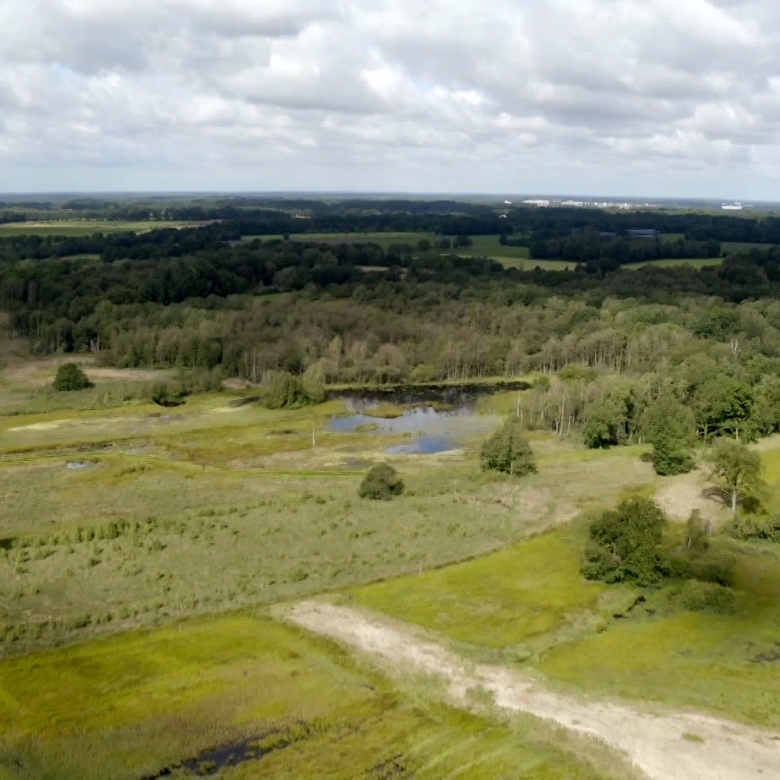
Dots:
(664, 98)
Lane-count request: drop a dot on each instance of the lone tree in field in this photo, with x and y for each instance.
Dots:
(736, 472)
(381, 483)
(671, 428)
(508, 451)
(71, 377)
(623, 544)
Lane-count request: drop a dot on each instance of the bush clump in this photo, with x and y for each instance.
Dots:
(707, 597)
(292, 392)
(381, 483)
(508, 451)
(623, 544)
(671, 428)
(71, 377)
(765, 529)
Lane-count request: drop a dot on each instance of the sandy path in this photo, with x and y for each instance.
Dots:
(654, 742)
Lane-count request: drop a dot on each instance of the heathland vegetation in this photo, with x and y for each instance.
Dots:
(574, 473)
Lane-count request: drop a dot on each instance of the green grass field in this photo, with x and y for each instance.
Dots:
(484, 246)
(135, 705)
(702, 262)
(498, 601)
(118, 522)
(740, 247)
(530, 605)
(141, 549)
(83, 227)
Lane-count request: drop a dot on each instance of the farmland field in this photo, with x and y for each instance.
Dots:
(84, 227)
(736, 247)
(703, 262)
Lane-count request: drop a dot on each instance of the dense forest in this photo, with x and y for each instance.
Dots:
(606, 344)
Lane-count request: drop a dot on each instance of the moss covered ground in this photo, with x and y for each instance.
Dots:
(143, 703)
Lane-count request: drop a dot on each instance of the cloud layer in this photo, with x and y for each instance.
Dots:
(625, 96)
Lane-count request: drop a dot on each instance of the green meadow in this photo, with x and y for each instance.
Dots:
(530, 606)
(140, 546)
(142, 549)
(674, 262)
(78, 227)
(279, 703)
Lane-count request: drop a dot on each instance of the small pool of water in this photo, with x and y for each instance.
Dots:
(424, 445)
(430, 429)
(417, 420)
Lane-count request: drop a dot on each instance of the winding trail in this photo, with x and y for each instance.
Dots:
(664, 745)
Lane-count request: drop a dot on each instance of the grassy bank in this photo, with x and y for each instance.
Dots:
(141, 703)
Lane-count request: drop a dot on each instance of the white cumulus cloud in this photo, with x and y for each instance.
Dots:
(664, 97)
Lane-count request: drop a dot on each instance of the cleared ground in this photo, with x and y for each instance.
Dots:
(662, 745)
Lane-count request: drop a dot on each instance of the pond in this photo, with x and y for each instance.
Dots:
(435, 419)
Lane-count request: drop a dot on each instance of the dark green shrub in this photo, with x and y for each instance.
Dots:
(707, 597)
(381, 483)
(287, 392)
(671, 428)
(167, 395)
(670, 459)
(623, 545)
(696, 533)
(751, 527)
(508, 451)
(714, 566)
(71, 377)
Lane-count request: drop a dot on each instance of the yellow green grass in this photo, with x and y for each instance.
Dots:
(138, 515)
(77, 227)
(134, 705)
(496, 601)
(697, 263)
(531, 604)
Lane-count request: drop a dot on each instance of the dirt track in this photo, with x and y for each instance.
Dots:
(663, 745)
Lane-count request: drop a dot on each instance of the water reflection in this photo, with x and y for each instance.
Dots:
(424, 445)
(435, 429)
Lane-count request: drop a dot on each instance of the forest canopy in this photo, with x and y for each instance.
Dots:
(227, 298)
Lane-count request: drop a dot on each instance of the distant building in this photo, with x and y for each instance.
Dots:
(540, 203)
(643, 233)
(732, 207)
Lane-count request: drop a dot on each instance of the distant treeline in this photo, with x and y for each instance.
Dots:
(11, 216)
(431, 315)
(599, 239)
(607, 253)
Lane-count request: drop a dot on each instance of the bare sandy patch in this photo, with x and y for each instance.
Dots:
(663, 745)
(680, 496)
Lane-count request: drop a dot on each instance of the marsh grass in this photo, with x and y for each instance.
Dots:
(135, 705)
(135, 516)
